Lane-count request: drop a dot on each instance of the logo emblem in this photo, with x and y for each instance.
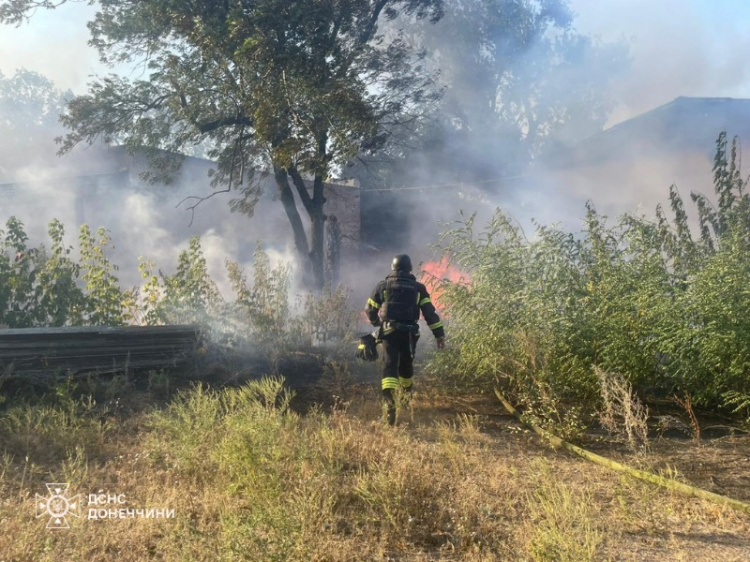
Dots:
(57, 506)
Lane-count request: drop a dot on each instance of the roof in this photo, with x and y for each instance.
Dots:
(685, 124)
(88, 161)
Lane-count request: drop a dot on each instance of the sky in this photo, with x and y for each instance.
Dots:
(695, 48)
(54, 44)
(678, 47)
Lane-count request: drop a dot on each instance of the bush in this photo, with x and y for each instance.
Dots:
(643, 298)
(40, 288)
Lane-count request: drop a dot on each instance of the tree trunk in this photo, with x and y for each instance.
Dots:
(298, 229)
(313, 259)
(318, 220)
(333, 231)
(314, 206)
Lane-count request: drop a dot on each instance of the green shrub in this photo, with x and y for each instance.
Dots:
(104, 297)
(643, 298)
(19, 295)
(50, 288)
(190, 295)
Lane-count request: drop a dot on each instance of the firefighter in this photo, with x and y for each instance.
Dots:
(394, 306)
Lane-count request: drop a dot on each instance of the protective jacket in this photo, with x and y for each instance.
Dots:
(396, 303)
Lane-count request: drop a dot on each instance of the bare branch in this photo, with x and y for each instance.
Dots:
(200, 200)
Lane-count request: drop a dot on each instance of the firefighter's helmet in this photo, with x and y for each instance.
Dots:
(401, 262)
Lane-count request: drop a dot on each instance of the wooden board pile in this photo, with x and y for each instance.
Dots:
(43, 352)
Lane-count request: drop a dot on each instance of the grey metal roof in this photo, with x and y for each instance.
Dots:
(686, 124)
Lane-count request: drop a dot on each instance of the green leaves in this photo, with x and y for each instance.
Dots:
(270, 84)
(104, 303)
(264, 306)
(62, 300)
(292, 78)
(65, 287)
(37, 288)
(18, 267)
(641, 298)
(190, 295)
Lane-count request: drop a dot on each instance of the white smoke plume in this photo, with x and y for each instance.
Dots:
(678, 48)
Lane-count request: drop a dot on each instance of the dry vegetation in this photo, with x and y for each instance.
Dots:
(255, 473)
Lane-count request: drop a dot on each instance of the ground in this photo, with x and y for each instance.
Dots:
(719, 462)
(495, 490)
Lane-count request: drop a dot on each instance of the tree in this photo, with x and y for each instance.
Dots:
(517, 79)
(30, 108)
(29, 102)
(296, 88)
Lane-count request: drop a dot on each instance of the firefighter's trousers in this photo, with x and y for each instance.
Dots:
(398, 366)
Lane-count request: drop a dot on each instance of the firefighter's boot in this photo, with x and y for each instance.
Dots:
(390, 413)
(406, 396)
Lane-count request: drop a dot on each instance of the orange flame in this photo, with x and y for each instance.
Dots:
(435, 272)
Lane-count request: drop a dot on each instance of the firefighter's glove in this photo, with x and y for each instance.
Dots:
(367, 349)
(440, 343)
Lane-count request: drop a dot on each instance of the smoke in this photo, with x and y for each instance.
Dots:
(507, 89)
(99, 186)
(677, 48)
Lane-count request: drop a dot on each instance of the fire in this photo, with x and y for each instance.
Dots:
(435, 272)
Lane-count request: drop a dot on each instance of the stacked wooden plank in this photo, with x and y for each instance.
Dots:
(101, 349)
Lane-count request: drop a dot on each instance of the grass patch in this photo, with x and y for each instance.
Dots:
(562, 521)
(249, 478)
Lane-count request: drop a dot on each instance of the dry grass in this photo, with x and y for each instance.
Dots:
(622, 413)
(250, 479)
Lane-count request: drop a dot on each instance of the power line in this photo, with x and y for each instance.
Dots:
(444, 185)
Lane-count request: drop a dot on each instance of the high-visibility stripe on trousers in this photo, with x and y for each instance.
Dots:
(390, 383)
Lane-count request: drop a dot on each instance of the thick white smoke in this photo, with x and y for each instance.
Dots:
(677, 48)
(99, 186)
